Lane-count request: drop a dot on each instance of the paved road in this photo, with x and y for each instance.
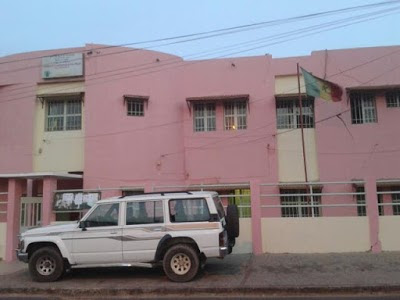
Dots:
(311, 297)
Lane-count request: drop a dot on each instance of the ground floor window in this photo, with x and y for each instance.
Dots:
(361, 208)
(293, 201)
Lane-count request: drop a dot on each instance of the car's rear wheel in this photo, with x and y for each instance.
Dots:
(181, 263)
(46, 264)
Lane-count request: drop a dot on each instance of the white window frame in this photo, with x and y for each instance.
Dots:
(236, 115)
(292, 113)
(204, 113)
(64, 101)
(135, 107)
(361, 103)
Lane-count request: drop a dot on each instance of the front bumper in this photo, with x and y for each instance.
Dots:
(22, 256)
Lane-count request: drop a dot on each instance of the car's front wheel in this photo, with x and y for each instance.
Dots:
(46, 264)
(181, 263)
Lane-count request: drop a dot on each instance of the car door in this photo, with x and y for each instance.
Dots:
(143, 229)
(100, 241)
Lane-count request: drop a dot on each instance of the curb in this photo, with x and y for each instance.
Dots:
(204, 291)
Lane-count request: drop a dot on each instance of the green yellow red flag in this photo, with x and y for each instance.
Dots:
(320, 88)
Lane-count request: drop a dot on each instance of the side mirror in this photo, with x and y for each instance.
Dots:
(82, 224)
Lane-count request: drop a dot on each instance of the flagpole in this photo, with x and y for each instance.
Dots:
(301, 125)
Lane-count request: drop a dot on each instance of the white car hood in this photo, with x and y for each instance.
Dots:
(51, 229)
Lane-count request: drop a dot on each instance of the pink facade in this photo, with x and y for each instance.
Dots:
(162, 148)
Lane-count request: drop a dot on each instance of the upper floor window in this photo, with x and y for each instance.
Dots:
(363, 108)
(64, 115)
(135, 107)
(288, 113)
(235, 115)
(204, 117)
(393, 98)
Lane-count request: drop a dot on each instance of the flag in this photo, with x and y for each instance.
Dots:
(320, 88)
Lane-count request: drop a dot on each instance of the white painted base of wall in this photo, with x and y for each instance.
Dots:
(388, 233)
(244, 241)
(3, 236)
(315, 235)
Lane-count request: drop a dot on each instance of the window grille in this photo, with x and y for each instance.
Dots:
(292, 205)
(393, 98)
(361, 210)
(381, 208)
(64, 115)
(363, 108)
(235, 115)
(396, 204)
(204, 117)
(288, 113)
(135, 107)
(242, 200)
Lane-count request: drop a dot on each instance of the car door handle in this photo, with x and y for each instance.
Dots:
(113, 232)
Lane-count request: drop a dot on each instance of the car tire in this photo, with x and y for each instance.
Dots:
(181, 263)
(232, 221)
(46, 265)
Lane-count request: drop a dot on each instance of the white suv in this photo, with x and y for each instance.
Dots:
(179, 229)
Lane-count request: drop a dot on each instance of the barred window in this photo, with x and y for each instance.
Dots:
(292, 205)
(288, 113)
(396, 204)
(381, 208)
(393, 98)
(64, 115)
(362, 208)
(135, 107)
(235, 115)
(204, 117)
(363, 108)
(240, 197)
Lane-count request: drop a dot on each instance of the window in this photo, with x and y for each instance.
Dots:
(135, 107)
(64, 115)
(132, 192)
(381, 208)
(241, 197)
(363, 108)
(204, 117)
(144, 212)
(361, 208)
(396, 204)
(393, 98)
(288, 113)
(292, 204)
(189, 210)
(235, 115)
(104, 215)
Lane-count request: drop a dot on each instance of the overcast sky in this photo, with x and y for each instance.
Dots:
(50, 24)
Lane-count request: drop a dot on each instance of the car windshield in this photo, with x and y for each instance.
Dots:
(218, 205)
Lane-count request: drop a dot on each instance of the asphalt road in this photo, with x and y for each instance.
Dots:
(250, 297)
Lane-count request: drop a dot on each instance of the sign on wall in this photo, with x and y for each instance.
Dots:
(62, 65)
(75, 201)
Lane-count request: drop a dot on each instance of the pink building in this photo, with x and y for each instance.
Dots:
(82, 123)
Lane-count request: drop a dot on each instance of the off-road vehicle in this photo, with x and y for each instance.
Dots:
(179, 230)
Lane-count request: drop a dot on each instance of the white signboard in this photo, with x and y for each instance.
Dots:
(75, 201)
(63, 65)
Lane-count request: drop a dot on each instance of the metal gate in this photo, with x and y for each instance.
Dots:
(31, 213)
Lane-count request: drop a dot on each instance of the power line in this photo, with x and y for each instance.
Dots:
(184, 64)
(227, 29)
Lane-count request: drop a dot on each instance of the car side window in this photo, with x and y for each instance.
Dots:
(104, 215)
(189, 210)
(144, 212)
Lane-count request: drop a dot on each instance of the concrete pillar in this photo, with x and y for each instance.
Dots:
(371, 198)
(256, 216)
(49, 186)
(15, 187)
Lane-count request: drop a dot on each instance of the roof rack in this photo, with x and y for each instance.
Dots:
(159, 193)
